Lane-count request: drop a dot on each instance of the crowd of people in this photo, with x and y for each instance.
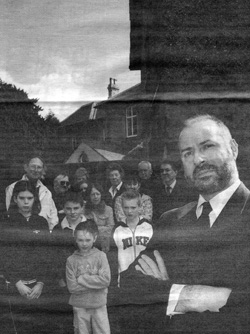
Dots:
(145, 254)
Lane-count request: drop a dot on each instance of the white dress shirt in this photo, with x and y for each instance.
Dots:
(171, 186)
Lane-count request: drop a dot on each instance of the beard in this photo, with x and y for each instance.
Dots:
(219, 180)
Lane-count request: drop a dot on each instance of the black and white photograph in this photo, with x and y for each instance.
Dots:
(124, 167)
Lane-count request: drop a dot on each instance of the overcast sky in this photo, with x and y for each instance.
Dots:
(65, 50)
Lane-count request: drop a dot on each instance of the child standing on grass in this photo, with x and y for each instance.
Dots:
(88, 277)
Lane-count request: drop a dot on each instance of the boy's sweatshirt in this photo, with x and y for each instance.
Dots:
(88, 277)
(131, 243)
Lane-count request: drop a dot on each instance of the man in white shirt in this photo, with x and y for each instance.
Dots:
(35, 171)
(201, 268)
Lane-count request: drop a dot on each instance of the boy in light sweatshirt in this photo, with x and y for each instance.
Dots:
(88, 277)
(132, 236)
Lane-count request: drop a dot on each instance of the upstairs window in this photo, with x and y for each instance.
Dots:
(131, 122)
(74, 143)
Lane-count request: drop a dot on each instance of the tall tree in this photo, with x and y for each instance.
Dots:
(23, 129)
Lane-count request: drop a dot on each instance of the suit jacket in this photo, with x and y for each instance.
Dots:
(150, 186)
(179, 196)
(219, 256)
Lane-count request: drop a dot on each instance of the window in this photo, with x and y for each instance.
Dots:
(131, 122)
(74, 143)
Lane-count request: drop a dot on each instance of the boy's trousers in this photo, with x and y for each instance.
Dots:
(91, 320)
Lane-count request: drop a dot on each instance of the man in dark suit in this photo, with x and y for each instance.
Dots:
(204, 245)
(149, 183)
(171, 193)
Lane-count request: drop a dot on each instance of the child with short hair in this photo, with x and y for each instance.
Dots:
(88, 277)
(63, 233)
(132, 182)
(131, 237)
(73, 209)
(63, 242)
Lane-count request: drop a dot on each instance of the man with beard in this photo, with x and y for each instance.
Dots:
(35, 170)
(196, 270)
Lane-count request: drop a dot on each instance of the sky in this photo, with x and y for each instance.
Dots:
(63, 52)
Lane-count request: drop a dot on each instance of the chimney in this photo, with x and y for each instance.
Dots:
(112, 88)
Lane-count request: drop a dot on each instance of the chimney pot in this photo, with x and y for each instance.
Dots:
(112, 88)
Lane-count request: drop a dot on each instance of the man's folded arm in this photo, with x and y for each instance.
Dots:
(147, 281)
(137, 287)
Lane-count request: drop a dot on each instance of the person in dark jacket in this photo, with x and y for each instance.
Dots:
(196, 270)
(115, 175)
(173, 192)
(25, 238)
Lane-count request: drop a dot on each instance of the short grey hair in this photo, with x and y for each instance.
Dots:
(145, 163)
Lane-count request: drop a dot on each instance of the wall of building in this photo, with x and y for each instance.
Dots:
(191, 45)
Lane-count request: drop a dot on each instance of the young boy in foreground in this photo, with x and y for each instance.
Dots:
(64, 244)
(88, 277)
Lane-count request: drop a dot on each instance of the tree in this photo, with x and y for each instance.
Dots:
(51, 119)
(23, 129)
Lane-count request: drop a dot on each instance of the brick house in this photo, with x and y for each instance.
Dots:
(193, 57)
(119, 124)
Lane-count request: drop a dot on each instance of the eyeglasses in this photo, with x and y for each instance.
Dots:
(64, 183)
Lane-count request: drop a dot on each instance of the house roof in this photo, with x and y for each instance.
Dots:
(84, 113)
(110, 156)
(205, 95)
(137, 93)
(90, 111)
(134, 93)
(92, 154)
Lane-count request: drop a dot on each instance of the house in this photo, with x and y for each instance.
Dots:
(127, 121)
(193, 57)
(115, 128)
(80, 125)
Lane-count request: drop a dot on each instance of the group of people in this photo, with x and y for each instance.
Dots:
(166, 255)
